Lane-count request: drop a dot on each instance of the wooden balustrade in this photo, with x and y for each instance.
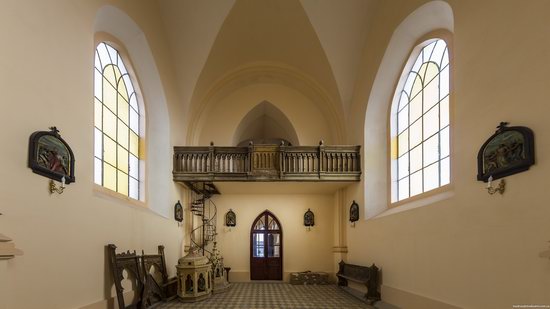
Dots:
(267, 163)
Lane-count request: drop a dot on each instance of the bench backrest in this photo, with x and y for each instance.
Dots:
(356, 271)
(130, 262)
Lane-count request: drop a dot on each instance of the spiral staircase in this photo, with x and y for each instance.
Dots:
(203, 233)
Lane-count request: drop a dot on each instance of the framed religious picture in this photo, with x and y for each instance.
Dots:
(309, 218)
(51, 156)
(354, 212)
(509, 151)
(178, 212)
(230, 218)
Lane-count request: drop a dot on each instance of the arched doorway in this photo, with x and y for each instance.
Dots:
(266, 248)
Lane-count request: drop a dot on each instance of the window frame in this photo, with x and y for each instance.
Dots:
(413, 54)
(102, 37)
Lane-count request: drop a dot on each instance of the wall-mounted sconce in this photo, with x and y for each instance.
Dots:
(178, 212)
(230, 219)
(56, 189)
(500, 189)
(353, 213)
(309, 219)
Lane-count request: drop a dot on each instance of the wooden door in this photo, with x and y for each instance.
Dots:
(266, 248)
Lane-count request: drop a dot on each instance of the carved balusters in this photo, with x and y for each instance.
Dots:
(301, 162)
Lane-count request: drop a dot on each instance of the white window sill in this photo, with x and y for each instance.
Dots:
(424, 201)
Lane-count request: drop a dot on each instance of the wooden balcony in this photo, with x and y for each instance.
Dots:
(267, 163)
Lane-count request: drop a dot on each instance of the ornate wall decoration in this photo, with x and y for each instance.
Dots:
(51, 156)
(309, 218)
(230, 218)
(509, 151)
(354, 212)
(178, 212)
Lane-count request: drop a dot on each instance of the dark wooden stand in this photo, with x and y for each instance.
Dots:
(360, 274)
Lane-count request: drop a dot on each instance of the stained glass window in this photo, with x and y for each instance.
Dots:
(420, 125)
(116, 125)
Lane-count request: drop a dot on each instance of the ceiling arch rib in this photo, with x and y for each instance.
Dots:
(269, 31)
(341, 27)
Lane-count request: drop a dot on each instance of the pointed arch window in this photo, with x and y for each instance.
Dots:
(420, 124)
(117, 125)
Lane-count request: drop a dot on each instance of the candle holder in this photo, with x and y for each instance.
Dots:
(56, 189)
(500, 188)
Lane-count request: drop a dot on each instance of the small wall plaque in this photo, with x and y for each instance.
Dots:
(230, 218)
(509, 151)
(309, 218)
(178, 212)
(51, 156)
(354, 212)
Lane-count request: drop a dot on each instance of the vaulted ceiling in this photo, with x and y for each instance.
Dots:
(321, 39)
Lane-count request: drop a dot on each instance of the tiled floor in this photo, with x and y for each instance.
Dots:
(275, 296)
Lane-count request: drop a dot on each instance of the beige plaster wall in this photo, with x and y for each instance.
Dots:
(222, 120)
(46, 78)
(471, 249)
(302, 249)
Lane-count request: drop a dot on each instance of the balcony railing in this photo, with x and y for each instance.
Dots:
(267, 163)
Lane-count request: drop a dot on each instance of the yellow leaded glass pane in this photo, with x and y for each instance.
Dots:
(109, 151)
(122, 160)
(431, 71)
(109, 177)
(122, 183)
(109, 95)
(109, 74)
(417, 86)
(122, 135)
(109, 123)
(123, 109)
(122, 90)
(117, 74)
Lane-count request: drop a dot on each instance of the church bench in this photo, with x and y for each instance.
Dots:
(148, 290)
(360, 274)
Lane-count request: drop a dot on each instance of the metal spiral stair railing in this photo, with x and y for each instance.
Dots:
(205, 233)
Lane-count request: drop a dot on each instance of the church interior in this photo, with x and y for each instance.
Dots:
(405, 134)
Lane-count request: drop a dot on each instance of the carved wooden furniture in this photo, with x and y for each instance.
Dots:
(131, 263)
(361, 274)
(147, 289)
(267, 163)
(165, 288)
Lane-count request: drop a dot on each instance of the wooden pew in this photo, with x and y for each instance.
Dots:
(361, 274)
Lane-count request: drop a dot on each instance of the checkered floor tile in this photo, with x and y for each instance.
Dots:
(275, 296)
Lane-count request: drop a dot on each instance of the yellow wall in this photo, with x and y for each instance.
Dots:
(471, 250)
(46, 79)
(302, 249)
